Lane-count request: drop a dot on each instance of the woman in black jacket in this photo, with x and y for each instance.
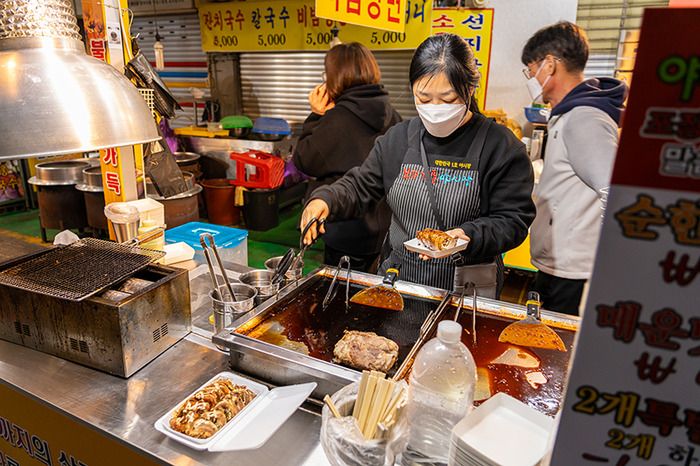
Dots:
(349, 111)
(480, 174)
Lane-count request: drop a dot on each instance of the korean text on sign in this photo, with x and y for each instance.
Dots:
(380, 14)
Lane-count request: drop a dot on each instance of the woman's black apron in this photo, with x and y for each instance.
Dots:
(457, 191)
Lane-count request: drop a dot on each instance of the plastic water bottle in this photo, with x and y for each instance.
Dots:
(441, 393)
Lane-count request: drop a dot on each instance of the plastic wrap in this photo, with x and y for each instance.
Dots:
(121, 212)
(343, 442)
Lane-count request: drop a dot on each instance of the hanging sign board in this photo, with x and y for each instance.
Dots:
(378, 14)
(294, 25)
(633, 395)
(146, 6)
(476, 26)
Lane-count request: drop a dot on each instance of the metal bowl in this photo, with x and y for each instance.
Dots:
(185, 158)
(62, 172)
(292, 274)
(239, 132)
(270, 136)
(260, 280)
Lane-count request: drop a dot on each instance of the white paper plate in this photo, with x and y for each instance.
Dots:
(262, 416)
(415, 245)
(478, 438)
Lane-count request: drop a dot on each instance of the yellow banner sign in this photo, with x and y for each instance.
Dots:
(293, 25)
(379, 14)
(476, 26)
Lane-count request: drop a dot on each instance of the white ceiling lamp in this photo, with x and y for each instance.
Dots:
(54, 98)
(158, 47)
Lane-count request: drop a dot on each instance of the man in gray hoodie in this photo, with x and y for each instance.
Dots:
(578, 161)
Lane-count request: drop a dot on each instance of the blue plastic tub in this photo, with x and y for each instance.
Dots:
(232, 243)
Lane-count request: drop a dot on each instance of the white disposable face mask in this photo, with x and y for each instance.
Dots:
(443, 119)
(534, 86)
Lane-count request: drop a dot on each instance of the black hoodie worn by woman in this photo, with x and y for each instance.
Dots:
(333, 143)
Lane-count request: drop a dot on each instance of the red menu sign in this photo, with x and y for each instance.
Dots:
(633, 395)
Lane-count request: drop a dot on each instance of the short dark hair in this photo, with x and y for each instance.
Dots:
(349, 65)
(564, 40)
(449, 54)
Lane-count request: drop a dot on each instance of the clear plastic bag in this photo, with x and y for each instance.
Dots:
(121, 212)
(343, 442)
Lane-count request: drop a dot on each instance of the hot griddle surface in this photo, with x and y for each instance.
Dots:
(299, 323)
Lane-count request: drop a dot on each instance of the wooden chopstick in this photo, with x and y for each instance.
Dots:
(360, 395)
(331, 406)
(367, 401)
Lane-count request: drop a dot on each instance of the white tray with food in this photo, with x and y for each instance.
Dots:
(219, 418)
(435, 243)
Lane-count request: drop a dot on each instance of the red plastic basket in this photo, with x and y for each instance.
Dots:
(255, 169)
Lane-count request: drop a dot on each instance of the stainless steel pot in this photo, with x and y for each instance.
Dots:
(185, 158)
(92, 180)
(260, 280)
(56, 173)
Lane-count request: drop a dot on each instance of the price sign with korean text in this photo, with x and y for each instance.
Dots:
(476, 26)
(294, 25)
(378, 14)
(633, 395)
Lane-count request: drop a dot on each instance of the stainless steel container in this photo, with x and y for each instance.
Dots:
(294, 273)
(62, 172)
(93, 192)
(260, 280)
(226, 312)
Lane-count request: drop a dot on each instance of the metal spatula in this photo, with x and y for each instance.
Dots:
(531, 331)
(383, 295)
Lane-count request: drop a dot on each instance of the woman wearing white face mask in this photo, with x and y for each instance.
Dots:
(450, 169)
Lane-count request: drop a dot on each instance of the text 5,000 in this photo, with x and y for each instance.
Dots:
(225, 41)
(388, 37)
(271, 39)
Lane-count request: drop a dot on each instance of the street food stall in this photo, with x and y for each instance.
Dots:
(108, 356)
(283, 341)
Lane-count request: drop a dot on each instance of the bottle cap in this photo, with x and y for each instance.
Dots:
(449, 331)
(148, 222)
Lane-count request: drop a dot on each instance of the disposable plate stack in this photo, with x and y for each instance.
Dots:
(501, 432)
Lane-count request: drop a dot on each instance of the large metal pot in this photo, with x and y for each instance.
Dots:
(93, 192)
(60, 172)
(92, 180)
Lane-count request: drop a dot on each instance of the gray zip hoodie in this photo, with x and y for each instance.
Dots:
(578, 163)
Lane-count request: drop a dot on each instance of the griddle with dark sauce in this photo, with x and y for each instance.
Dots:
(304, 320)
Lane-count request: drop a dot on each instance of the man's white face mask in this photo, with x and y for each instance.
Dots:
(441, 120)
(534, 86)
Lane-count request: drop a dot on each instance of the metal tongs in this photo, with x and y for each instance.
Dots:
(330, 295)
(202, 240)
(433, 316)
(305, 247)
(459, 307)
(284, 264)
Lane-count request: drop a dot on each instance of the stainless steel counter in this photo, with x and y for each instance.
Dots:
(126, 409)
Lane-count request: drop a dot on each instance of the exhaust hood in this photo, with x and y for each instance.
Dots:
(54, 98)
